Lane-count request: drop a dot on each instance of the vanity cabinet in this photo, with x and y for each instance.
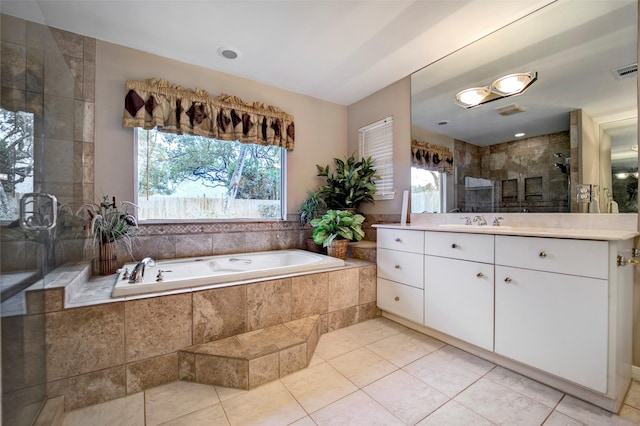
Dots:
(459, 286)
(557, 309)
(400, 265)
(552, 306)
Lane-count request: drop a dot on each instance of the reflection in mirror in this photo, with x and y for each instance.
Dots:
(619, 166)
(533, 151)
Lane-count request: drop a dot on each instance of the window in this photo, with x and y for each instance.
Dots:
(427, 191)
(376, 141)
(191, 177)
(16, 161)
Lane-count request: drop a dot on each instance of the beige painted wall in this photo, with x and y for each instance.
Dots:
(321, 127)
(394, 100)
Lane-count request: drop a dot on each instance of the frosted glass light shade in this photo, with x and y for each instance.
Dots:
(513, 83)
(472, 97)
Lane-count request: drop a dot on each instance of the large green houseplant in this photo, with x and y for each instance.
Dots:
(335, 229)
(350, 185)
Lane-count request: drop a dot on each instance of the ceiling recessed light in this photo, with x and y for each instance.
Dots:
(443, 122)
(228, 52)
(519, 135)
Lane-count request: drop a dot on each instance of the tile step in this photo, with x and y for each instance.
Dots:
(251, 359)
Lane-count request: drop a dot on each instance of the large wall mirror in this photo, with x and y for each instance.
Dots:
(566, 143)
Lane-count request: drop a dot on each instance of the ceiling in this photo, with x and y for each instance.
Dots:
(340, 51)
(572, 44)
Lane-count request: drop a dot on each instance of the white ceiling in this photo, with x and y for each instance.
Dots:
(340, 51)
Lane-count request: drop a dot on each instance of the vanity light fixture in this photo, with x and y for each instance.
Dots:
(509, 85)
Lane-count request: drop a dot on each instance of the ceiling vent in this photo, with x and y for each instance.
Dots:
(510, 109)
(625, 72)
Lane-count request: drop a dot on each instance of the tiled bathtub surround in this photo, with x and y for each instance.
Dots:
(109, 350)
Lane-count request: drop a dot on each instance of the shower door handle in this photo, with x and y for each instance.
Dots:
(38, 211)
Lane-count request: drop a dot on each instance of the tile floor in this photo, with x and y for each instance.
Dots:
(374, 373)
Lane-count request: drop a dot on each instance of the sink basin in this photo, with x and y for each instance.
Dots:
(474, 227)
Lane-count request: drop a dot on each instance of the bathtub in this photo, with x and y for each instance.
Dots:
(222, 269)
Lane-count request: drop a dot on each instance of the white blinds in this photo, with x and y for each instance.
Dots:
(376, 141)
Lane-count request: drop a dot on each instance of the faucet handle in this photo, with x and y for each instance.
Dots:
(467, 220)
(496, 220)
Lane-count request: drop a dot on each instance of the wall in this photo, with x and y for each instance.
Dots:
(321, 127)
(394, 100)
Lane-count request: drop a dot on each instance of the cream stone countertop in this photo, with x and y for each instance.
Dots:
(527, 231)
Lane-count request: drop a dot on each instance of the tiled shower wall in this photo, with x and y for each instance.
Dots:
(523, 173)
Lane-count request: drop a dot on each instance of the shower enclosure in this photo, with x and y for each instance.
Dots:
(46, 130)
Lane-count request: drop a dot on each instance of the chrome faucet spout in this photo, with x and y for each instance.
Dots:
(138, 271)
(480, 220)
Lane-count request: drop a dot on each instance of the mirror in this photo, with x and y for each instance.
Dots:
(584, 59)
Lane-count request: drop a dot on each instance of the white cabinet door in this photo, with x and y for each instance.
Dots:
(458, 298)
(401, 239)
(554, 322)
(400, 299)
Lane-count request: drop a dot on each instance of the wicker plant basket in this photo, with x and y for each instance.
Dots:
(338, 248)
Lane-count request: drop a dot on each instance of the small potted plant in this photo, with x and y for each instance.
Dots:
(108, 225)
(311, 208)
(335, 229)
(352, 184)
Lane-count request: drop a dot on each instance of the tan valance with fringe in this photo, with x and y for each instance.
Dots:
(157, 103)
(431, 157)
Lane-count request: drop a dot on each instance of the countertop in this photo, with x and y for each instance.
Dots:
(527, 231)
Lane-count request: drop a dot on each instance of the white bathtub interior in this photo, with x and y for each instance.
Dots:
(221, 269)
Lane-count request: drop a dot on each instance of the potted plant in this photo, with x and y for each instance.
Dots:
(352, 184)
(311, 208)
(108, 225)
(335, 229)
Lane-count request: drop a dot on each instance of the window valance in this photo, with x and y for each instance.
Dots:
(157, 103)
(431, 157)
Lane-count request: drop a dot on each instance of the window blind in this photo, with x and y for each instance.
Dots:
(376, 141)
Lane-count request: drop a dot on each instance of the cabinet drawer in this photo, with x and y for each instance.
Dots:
(401, 239)
(575, 257)
(401, 267)
(402, 300)
(475, 247)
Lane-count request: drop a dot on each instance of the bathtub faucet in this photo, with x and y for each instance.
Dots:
(138, 271)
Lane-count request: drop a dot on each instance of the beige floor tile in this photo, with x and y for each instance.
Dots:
(270, 404)
(534, 390)
(362, 366)
(628, 412)
(589, 414)
(226, 393)
(126, 411)
(210, 416)
(405, 347)
(356, 409)
(438, 371)
(454, 414)
(406, 397)
(335, 343)
(502, 405)
(559, 419)
(318, 386)
(463, 359)
(633, 395)
(305, 421)
(176, 399)
(373, 330)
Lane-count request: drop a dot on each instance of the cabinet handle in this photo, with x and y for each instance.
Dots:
(479, 275)
(397, 266)
(507, 280)
(397, 299)
(398, 240)
(542, 254)
(454, 245)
